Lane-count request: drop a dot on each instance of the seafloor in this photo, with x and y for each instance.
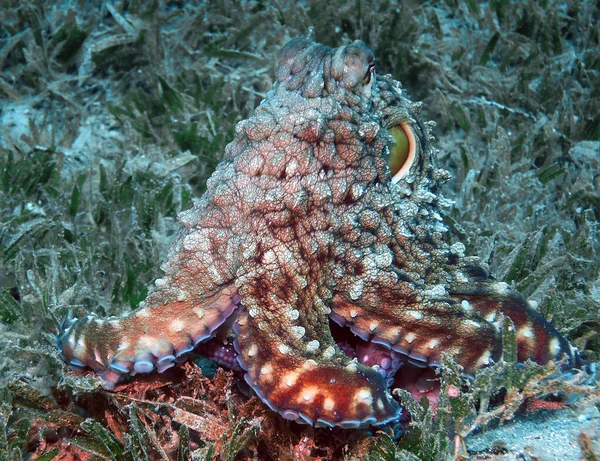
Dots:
(112, 116)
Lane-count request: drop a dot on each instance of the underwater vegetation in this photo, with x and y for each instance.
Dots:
(114, 115)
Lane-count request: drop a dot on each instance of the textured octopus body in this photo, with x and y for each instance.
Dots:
(304, 223)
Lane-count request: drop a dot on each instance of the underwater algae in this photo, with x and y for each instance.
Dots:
(88, 199)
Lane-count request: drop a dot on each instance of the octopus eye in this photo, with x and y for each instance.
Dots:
(402, 155)
(369, 74)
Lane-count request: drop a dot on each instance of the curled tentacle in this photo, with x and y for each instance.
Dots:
(145, 340)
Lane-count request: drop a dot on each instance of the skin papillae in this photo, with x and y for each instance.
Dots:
(303, 226)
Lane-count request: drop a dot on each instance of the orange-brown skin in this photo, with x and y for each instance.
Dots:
(302, 222)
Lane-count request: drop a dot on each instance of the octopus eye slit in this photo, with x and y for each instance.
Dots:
(369, 74)
(402, 155)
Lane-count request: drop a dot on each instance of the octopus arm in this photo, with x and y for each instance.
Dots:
(537, 339)
(154, 337)
(419, 332)
(185, 308)
(310, 380)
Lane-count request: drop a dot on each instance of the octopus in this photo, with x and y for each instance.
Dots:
(317, 263)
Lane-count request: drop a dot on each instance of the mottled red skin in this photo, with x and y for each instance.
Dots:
(302, 222)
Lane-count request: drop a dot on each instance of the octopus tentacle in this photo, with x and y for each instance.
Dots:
(155, 336)
(398, 369)
(222, 353)
(420, 333)
(185, 308)
(319, 386)
(537, 339)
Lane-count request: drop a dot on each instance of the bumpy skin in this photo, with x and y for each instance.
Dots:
(301, 223)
